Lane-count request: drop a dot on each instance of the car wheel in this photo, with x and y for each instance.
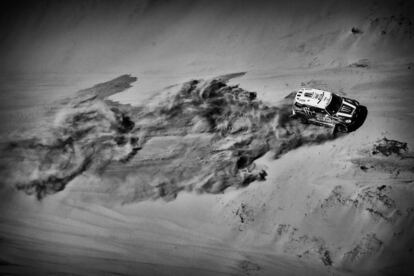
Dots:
(303, 119)
(340, 129)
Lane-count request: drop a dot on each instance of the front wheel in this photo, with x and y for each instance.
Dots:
(340, 129)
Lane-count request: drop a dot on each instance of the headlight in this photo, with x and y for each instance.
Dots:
(348, 121)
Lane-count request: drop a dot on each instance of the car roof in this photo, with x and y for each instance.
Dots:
(313, 97)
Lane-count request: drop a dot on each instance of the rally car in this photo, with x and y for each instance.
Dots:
(325, 108)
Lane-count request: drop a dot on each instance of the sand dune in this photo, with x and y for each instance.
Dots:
(182, 168)
(203, 37)
(113, 154)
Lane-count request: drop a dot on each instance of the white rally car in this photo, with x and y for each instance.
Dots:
(326, 108)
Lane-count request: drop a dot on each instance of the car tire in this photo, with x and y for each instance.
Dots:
(340, 129)
(303, 119)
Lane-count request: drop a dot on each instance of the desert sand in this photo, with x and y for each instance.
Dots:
(154, 138)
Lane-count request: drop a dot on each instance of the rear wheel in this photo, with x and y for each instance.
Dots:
(302, 119)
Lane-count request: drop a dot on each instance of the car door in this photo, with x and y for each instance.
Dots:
(323, 117)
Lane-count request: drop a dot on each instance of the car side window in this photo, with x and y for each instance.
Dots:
(299, 104)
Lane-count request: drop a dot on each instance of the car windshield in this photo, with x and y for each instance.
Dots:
(334, 105)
